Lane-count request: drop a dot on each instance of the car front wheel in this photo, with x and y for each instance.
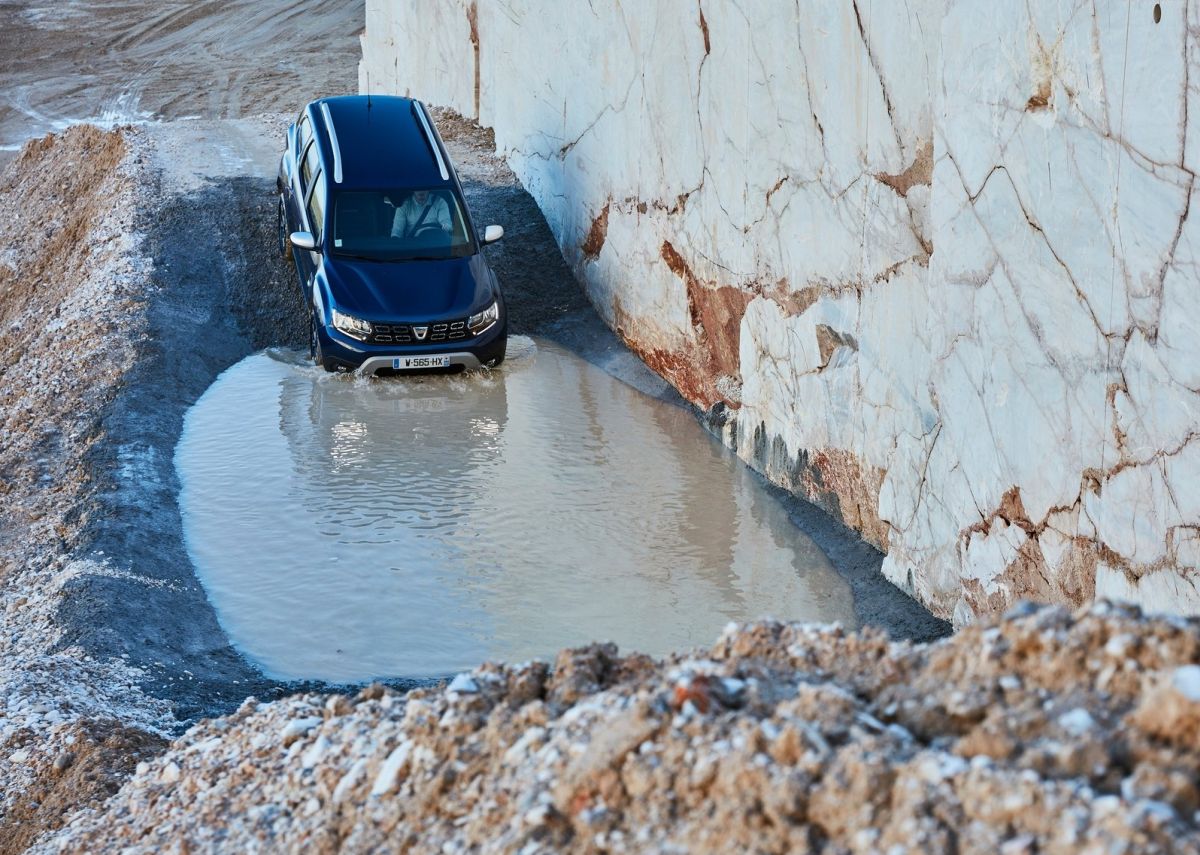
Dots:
(495, 356)
(315, 351)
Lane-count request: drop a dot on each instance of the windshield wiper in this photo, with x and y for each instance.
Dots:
(358, 257)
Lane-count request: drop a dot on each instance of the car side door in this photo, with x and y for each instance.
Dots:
(295, 185)
(306, 177)
(294, 188)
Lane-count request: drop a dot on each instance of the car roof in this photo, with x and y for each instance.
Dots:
(381, 146)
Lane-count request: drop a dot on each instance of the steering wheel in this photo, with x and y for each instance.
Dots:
(425, 228)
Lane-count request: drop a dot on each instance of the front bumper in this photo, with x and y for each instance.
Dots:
(465, 359)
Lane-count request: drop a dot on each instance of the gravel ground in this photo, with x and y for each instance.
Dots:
(1044, 733)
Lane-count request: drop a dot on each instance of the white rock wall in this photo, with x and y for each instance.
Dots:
(931, 260)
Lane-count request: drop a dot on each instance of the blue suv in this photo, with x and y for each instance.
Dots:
(372, 213)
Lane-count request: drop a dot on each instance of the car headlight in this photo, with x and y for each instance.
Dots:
(351, 326)
(481, 321)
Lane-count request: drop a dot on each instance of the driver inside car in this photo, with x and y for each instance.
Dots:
(422, 210)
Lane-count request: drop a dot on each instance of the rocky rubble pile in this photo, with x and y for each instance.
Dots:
(1045, 732)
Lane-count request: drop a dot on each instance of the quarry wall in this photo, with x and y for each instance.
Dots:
(929, 264)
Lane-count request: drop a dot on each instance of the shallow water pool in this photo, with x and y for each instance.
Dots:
(349, 528)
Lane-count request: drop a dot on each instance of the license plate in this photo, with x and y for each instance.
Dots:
(401, 363)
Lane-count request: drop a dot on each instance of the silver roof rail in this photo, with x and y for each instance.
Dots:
(333, 141)
(431, 139)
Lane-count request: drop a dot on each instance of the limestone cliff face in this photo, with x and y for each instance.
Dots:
(931, 261)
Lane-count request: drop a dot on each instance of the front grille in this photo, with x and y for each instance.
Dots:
(391, 334)
(403, 333)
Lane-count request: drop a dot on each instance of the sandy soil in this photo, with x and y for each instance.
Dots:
(66, 61)
(95, 759)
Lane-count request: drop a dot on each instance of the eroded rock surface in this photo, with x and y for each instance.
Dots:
(932, 262)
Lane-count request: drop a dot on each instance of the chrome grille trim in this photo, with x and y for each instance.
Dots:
(403, 333)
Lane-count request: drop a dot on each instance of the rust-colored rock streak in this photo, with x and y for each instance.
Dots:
(836, 480)
(919, 172)
(597, 234)
(473, 21)
(688, 377)
(716, 315)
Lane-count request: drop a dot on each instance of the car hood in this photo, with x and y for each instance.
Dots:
(409, 290)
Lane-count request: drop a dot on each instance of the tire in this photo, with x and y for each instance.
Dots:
(285, 250)
(314, 346)
(496, 357)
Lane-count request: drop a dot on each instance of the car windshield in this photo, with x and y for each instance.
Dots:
(399, 225)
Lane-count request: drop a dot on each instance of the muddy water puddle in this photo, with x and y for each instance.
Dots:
(347, 529)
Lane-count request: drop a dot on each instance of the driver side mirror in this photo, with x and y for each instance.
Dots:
(492, 234)
(303, 240)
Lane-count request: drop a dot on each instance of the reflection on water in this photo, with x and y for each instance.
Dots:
(347, 528)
